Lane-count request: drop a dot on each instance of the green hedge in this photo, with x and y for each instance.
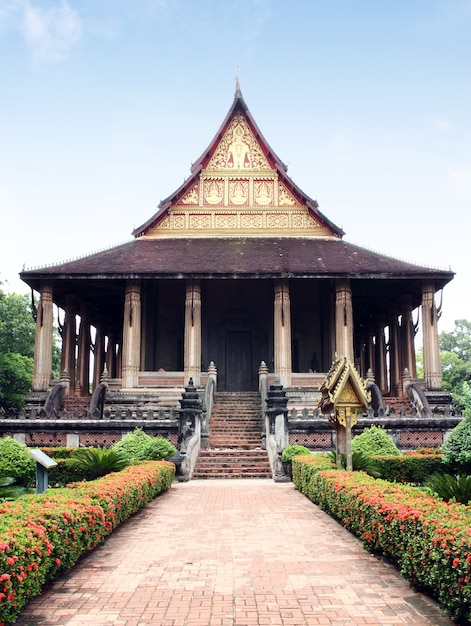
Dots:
(429, 540)
(409, 468)
(43, 535)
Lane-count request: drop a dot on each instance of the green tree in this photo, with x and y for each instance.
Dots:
(16, 374)
(455, 357)
(17, 326)
(17, 329)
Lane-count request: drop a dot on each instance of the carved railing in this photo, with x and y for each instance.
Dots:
(276, 428)
(208, 401)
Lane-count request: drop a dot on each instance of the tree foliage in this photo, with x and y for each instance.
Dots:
(17, 329)
(17, 333)
(17, 326)
(455, 357)
(16, 374)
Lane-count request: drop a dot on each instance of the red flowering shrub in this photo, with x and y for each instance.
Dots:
(428, 540)
(41, 535)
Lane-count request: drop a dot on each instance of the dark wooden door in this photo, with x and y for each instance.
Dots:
(238, 361)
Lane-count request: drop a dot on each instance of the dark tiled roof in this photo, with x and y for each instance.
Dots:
(244, 257)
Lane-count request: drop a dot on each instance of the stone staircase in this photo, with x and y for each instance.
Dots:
(397, 404)
(234, 439)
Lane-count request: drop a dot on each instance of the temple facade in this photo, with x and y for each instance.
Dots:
(238, 267)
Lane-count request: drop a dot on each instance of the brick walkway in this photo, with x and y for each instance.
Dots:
(231, 553)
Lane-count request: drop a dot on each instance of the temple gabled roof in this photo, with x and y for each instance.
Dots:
(238, 187)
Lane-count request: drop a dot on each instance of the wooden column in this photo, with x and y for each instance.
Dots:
(407, 338)
(380, 371)
(395, 374)
(343, 319)
(83, 359)
(370, 353)
(282, 339)
(192, 349)
(69, 342)
(43, 341)
(99, 354)
(131, 335)
(432, 366)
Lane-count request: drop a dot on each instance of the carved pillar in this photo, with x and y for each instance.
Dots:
(83, 361)
(192, 350)
(99, 357)
(111, 356)
(407, 337)
(395, 374)
(131, 335)
(370, 353)
(380, 370)
(282, 339)
(69, 342)
(343, 319)
(43, 341)
(432, 367)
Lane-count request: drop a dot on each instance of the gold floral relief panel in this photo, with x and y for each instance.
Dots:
(200, 221)
(238, 149)
(226, 221)
(191, 196)
(285, 197)
(251, 220)
(277, 220)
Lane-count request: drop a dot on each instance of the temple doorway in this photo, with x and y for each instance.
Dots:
(238, 361)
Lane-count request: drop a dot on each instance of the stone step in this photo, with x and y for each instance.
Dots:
(234, 438)
(232, 464)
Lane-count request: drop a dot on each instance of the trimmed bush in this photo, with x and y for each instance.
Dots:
(138, 446)
(15, 461)
(294, 450)
(60, 452)
(375, 441)
(409, 468)
(457, 447)
(43, 535)
(429, 540)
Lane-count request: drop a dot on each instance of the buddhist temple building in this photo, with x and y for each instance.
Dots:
(237, 267)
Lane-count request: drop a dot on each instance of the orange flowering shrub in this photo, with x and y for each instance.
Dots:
(428, 540)
(41, 535)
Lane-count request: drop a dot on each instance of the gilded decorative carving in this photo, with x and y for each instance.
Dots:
(214, 191)
(251, 220)
(264, 192)
(238, 192)
(286, 198)
(191, 197)
(228, 221)
(179, 221)
(238, 149)
(277, 220)
(200, 221)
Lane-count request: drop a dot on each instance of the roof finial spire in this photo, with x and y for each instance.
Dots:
(238, 93)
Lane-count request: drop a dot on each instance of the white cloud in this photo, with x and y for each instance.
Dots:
(51, 32)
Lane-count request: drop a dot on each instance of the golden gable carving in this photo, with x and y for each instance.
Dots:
(238, 149)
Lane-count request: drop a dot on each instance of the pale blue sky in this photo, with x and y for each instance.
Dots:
(106, 103)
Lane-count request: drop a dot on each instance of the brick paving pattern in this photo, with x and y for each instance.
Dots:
(231, 553)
